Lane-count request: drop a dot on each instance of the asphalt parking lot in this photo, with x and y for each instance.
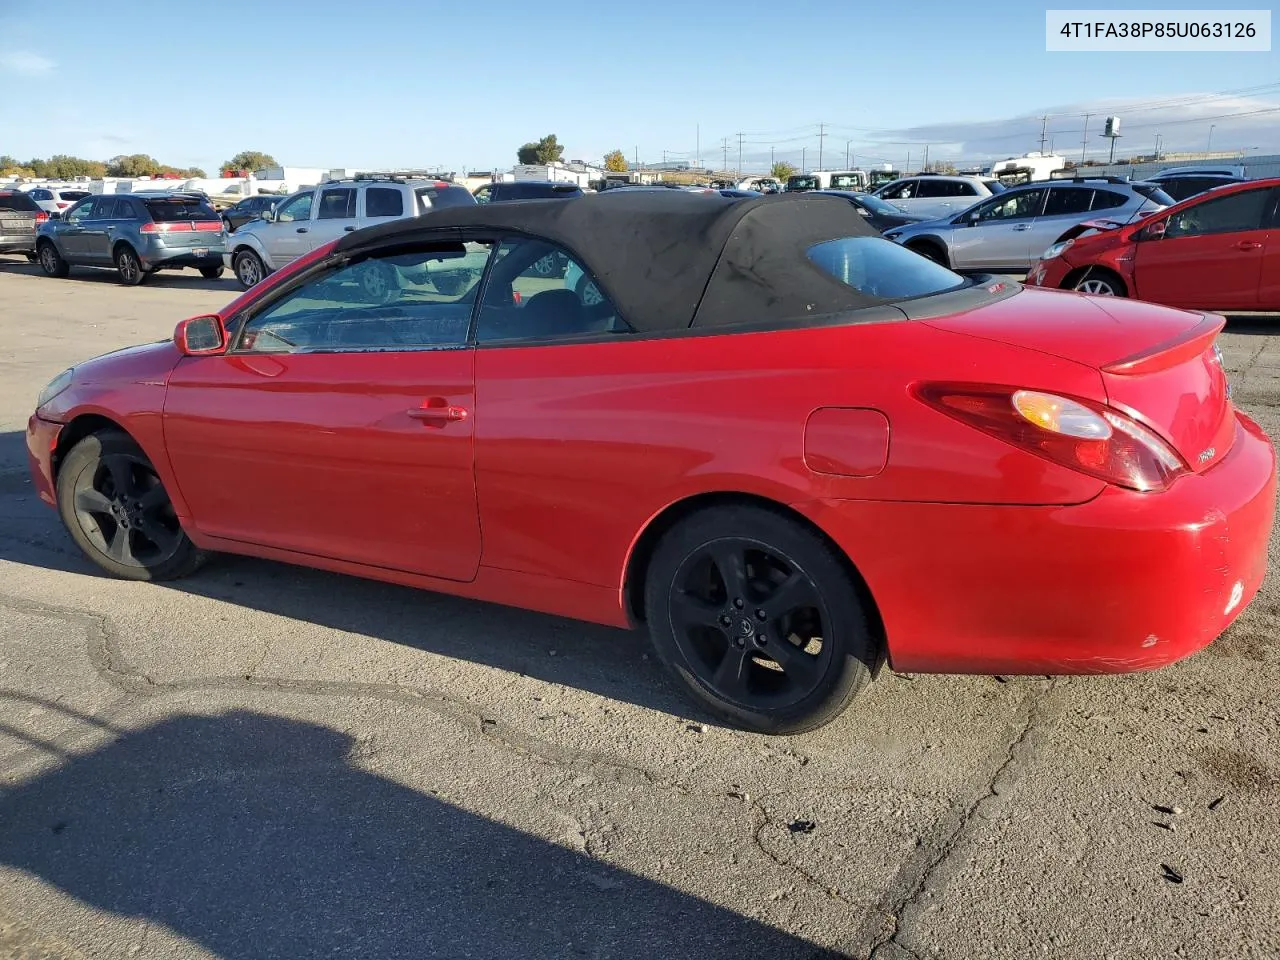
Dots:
(264, 761)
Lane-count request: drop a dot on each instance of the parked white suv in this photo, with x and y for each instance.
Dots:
(935, 195)
(311, 218)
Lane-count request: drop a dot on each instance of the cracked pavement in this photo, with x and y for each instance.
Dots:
(265, 761)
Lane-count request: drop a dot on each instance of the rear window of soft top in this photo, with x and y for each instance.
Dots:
(167, 211)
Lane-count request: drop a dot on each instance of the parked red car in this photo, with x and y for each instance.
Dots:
(791, 448)
(1218, 250)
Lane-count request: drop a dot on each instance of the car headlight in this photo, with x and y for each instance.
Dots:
(1057, 250)
(893, 235)
(55, 387)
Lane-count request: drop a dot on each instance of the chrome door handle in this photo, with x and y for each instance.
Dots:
(302, 229)
(1248, 245)
(348, 229)
(437, 411)
(1022, 226)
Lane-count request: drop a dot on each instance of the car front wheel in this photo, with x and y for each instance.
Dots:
(758, 619)
(249, 268)
(117, 511)
(1100, 283)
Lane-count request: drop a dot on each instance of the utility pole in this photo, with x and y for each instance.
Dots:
(698, 154)
(1044, 132)
(925, 168)
(724, 142)
(740, 156)
(1157, 146)
(822, 135)
(803, 168)
(908, 168)
(1208, 147)
(1084, 138)
(847, 164)
(771, 161)
(637, 157)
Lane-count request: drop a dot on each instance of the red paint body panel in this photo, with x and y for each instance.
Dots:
(320, 454)
(1076, 589)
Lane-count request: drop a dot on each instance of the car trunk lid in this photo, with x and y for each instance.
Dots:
(1157, 365)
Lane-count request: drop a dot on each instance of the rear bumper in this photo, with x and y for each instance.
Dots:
(17, 244)
(164, 259)
(1125, 582)
(42, 439)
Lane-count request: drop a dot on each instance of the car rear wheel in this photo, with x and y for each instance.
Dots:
(758, 619)
(117, 511)
(227, 225)
(51, 261)
(211, 273)
(249, 268)
(129, 268)
(1100, 283)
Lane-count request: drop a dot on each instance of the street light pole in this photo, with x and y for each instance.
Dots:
(1208, 147)
(847, 165)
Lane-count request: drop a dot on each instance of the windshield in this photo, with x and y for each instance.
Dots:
(880, 268)
(802, 183)
(17, 201)
(845, 181)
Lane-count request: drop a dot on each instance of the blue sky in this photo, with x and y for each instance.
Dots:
(397, 83)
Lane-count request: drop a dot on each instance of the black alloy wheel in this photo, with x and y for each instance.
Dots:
(757, 617)
(117, 510)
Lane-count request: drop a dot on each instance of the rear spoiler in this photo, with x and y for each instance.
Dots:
(1162, 356)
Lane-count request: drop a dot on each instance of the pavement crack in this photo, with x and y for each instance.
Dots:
(808, 878)
(885, 920)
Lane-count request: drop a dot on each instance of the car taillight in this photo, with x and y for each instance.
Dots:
(42, 217)
(207, 226)
(1078, 434)
(62, 204)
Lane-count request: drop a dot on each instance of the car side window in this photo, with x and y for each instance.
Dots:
(407, 301)
(1230, 214)
(337, 204)
(383, 202)
(1109, 199)
(902, 191)
(930, 188)
(105, 209)
(538, 291)
(959, 188)
(484, 194)
(299, 208)
(1013, 206)
(82, 210)
(1067, 200)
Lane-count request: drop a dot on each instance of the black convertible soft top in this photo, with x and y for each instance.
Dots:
(670, 259)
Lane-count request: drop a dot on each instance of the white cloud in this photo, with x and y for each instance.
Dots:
(26, 63)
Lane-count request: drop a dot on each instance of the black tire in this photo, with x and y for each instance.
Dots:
(227, 225)
(32, 257)
(211, 273)
(930, 251)
(51, 261)
(249, 268)
(1097, 281)
(716, 644)
(587, 291)
(129, 267)
(117, 511)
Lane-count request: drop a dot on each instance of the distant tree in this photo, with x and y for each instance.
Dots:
(133, 165)
(62, 167)
(195, 173)
(546, 150)
(7, 161)
(941, 166)
(252, 160)
(781, 170)
(615, 160)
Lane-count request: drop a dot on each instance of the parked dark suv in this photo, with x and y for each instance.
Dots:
(137, 233)
(250, 208)
(19, 217)
(526, 190)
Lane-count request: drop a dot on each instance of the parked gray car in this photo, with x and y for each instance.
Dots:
(1007, 233)
(137, 233)
(19, 216)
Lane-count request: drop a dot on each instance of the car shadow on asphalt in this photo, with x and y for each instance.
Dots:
(185, 279)
(255, 835)
(605, 661)
(1253, 324)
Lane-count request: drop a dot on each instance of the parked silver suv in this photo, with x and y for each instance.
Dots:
(1007, 233)
(311, 218)
(938, 195)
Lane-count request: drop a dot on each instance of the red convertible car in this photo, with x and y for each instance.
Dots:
(790, 448)
(1218, 250)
